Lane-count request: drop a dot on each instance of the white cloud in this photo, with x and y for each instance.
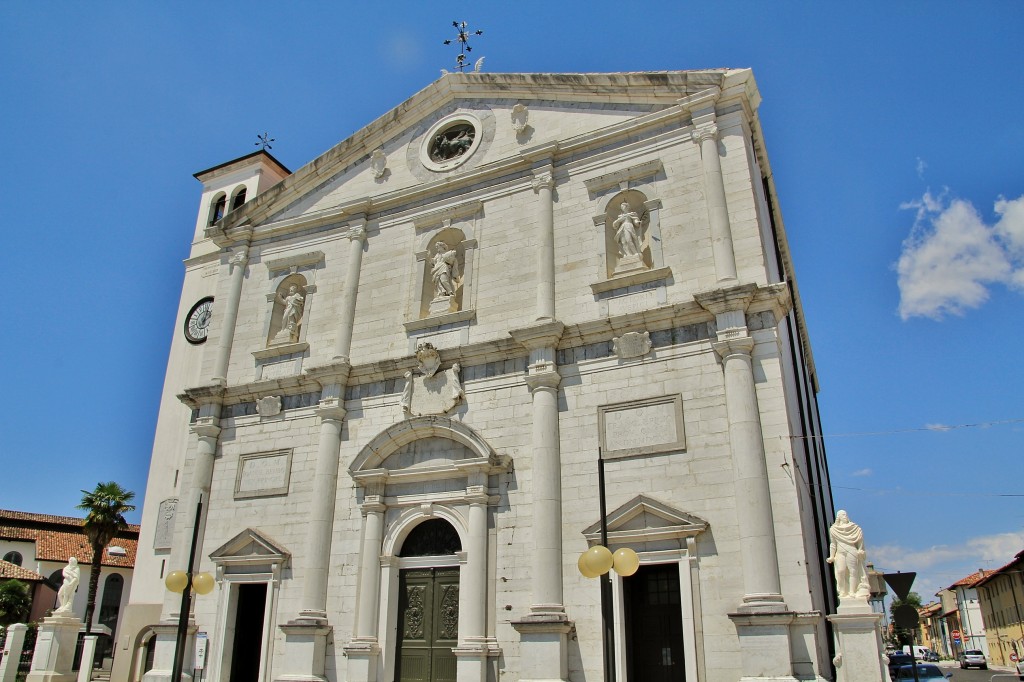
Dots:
(952, 256)
(940, 566)
(922, 166)
(862, 472)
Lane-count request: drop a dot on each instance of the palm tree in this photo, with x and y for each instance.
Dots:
(105, 508)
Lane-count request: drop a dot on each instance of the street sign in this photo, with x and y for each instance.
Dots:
(202, 642)
(900, 583)
(1013, 656)
(956, 635)
(906, 616)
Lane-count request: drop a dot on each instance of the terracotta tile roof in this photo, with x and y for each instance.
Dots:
(991, 575)
(59, 538)
(971, 580)
(9, 570)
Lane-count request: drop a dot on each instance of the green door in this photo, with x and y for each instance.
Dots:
(428, 624)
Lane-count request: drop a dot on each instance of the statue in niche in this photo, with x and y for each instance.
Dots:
(66, 595)
(452, 143)
(444, 272)
(627, 231)
(846, 554)
(290, 315)
(434, 391)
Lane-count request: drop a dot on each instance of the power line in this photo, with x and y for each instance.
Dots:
(934, 428)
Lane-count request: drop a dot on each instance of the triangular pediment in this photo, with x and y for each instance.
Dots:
(250, 546)
(644, 519)
(340, 185)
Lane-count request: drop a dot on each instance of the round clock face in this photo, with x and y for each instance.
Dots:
(197, 324)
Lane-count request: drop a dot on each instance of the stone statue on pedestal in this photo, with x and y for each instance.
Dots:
(66, 594)
(846, 554)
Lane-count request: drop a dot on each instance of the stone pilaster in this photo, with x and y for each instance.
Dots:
(543, 631)
(543, 185)
(705, 134)
(363, 650)
(226, 333)
(343, 341)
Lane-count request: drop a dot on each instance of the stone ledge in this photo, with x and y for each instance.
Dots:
(439, 320)
(282, 350)
(632, 279)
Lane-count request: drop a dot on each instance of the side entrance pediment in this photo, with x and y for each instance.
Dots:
(644, 519)
(248, 548)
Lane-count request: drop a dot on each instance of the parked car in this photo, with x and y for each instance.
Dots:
(926, 672)
(1020, 670)
(897, 660)
(973, 658)
(932, 656)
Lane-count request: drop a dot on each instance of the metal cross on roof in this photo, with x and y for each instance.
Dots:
(463, 40)
(264, 141)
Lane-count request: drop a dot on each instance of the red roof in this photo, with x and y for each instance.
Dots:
(58, 538)
(9, 570)
(971, 580)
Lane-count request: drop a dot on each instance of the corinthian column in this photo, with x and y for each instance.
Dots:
(543, 631)
(706, 135)
(236, 265)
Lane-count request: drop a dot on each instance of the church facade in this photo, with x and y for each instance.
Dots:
(402, 375)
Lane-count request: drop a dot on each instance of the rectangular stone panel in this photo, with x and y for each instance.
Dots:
(641, 427)
(263, 474)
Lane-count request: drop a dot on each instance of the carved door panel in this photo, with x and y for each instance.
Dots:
(654, 625)
(428, 625)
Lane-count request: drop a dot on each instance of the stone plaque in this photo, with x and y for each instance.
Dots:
(641, 427)
(633, 303)
(263, 474)
(276, 370)
(165, 524)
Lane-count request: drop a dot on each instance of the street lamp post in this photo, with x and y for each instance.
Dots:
(185, 582)
(598, 561)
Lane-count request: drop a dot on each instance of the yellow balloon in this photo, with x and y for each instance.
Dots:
(176, 581)
(598, 559)
(584, 569)
(202, 583)
(625, 561)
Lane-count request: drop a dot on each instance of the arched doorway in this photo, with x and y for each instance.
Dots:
(428, 606)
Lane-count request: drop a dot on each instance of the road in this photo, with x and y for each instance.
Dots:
(975, 675)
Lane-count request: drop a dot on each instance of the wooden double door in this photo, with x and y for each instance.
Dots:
(428, 624)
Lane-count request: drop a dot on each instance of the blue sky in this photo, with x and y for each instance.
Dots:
(895, 137)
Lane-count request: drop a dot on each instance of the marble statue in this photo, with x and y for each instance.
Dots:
(290, 315)
(846, 554)
(444, 271)
(627, 231)
(66, 594)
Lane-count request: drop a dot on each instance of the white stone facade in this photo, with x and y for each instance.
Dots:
(473, 330)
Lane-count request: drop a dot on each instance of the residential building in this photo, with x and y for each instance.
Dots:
(931, 627)
(394, 371)
(1001, 594)
(968, 607)
(41, 544)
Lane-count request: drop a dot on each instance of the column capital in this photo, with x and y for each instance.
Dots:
(543, 179)
(704, 132)
(239, 256)
(331, 409)
(738, 346)
(206, 428)
(373, 504)
(357, 232)
(547, 378)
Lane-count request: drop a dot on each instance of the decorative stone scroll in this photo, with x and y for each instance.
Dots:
(263, 474)
(434, 392)
(641, 427)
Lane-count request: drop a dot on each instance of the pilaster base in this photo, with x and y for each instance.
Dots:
(166, 634)
(55, 650)
(859, 650)
(473, 659)
(765, 648)
(363, 659)
(543, 651)
(305, 650)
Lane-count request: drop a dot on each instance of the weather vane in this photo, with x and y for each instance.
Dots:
(264, 141)
(463, 40)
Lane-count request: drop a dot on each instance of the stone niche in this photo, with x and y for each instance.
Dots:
(627, 234)
(286, 317)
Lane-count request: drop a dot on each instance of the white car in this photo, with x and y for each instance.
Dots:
(1020, 669)
(973, 658)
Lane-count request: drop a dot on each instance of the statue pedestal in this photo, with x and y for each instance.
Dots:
(443, 304)
(628, 264)
(55, 649)
(859, 652)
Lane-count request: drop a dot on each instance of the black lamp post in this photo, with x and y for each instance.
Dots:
(184, 582)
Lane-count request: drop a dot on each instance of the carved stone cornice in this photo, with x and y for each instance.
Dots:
(210, 394)
(544, 335)
(704, 132)
(726, 300)
(206, 428)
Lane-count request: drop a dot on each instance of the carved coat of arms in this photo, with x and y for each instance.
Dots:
(428, 390)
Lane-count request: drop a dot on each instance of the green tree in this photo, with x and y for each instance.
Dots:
(15, 603)
(903, 636)
(105, 507)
